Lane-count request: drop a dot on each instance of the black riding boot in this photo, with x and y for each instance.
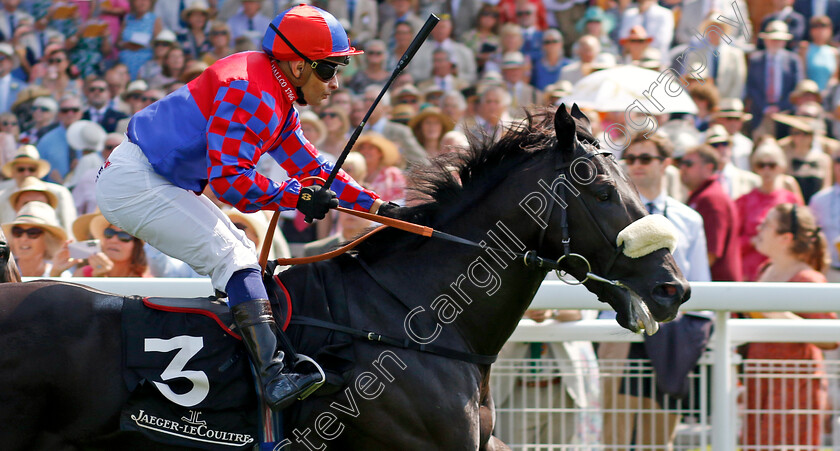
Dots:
(257, 327)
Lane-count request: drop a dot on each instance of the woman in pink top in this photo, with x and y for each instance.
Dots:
(768, 160)
(784, 412)
(382, 158)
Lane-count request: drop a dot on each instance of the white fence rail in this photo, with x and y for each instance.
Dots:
(721, 297)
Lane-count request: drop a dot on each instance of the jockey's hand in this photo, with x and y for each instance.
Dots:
(388, 209)
(315, 202)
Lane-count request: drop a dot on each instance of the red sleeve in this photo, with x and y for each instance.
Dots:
(716, 222)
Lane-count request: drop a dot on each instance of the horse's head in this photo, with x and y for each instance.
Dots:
(8, 268)
(625, 252)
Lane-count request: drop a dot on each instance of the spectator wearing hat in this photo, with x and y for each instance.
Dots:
(429, 127)
(411, 151)
(655, 20)
(35, 237)
(443, 74)
(735, 182)
(546, 70)
(362, 15)
(772, 74)
(811, 9)
(194, 39)
(693, 14)
(556, 91)
(161, 44)
(221, 42)
(402, 113)
(249, 21)
(53, 146)
(88, 138)
(730, 114)
(588, 49)
(254, 226)
(133, 97)
(782, 10)
(634, 44)
(706, 97)
(99, 105)
(27, 162)
(523, 95)
(460, 54)
(596, 22)
(409, 96)
(807, 149)
(122, 255)
(820, 57)
(724, 64)
(382, 159)
(374, 71)
(337, 125)
(698, 171)
(32, 189)
(403, 11)
(139, 27)
(769, 162)
(510, 40)
(10, 86)
(806, 91)
(44, 111)
(192, 69)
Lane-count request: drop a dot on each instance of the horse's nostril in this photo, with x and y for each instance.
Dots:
(666, 290)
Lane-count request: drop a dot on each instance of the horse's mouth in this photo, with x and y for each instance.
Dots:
(632, 313)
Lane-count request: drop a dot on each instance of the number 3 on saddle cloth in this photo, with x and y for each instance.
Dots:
(189, 375)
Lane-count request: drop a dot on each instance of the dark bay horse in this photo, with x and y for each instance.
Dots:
(8, 269)
(545, 187)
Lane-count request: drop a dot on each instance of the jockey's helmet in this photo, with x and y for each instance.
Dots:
(307, 33)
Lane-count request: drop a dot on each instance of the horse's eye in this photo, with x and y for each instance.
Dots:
(604, 196)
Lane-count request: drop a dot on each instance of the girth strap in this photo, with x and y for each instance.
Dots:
(373, 337)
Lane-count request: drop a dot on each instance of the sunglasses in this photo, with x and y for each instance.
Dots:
(686, 163)
(837, 160)
(218, 33)
(96, 89)
(3, 57)
(42, 109)
(166, 44)
(328, 114)
(718, 145)
(240, 226)
(644, 159)
(551, 41)
(32, 232)
(322, 69)
(523, 13)
(122, 236)
(375, 52)
(6, 124)
(55, 60)
(149, 99)
(409, 100)
(639, 41)
(766, 164)
(490, 14)
(70, 110)
(22, 169)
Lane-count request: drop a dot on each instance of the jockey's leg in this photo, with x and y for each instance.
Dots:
(192, 229)
(252, 313)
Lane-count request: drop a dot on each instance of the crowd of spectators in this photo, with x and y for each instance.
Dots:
(72, 73)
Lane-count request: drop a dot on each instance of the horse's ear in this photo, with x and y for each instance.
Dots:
(582, 119)
(564, 126)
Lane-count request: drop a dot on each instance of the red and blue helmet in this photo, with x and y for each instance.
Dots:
(314, 32)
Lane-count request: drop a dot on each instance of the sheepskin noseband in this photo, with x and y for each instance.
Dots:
(646, 235)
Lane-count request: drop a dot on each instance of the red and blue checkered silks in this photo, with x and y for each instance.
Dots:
(314, 32)
(215, 129)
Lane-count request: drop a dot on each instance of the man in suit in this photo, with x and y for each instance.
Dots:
(11, 15)
(464, 14)
(362, 15)
(814, 8)
(772, 74)
(411, 150)
(98, 100)
(735, 181)
(727, 69)
(796, 23)
(523, 95)
(249, 22)
(442, 38)
(403, 12)
(443, 64)
(531, 35)
(9, 85)
(695, 12)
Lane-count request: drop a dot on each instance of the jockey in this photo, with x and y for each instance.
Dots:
(213, 131)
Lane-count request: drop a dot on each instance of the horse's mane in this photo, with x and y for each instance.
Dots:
(452, 182)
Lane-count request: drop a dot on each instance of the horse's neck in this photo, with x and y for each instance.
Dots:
(481, 292)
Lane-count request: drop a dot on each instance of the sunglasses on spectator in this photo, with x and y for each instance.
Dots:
(7, 124)
(166, 44)
(409, 100)
(490, 14)
(96, 89)
(837, 160)
(637, 40)
(29, 169)
(56, 60)
(375, 52)
(322, 69)
(328, 114)
(218, 33)
(70, 109)
(523, 13)
(149, 99)
(644, 159)
(121, 235)
(40, 108)
(766, 165)
(551, 41)
(718, 145)
(134, 96)
(686, 163)
(240, 226)
(3, 57)
(32, 232)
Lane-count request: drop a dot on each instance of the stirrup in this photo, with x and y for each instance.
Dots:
(314, 387)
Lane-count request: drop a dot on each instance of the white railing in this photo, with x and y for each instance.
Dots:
(721, 297)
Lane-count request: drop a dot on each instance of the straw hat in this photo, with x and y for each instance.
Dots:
(603, 61)
(731, 107)
(408, 90)
(512, 60)
(26, 154)
(33, 184)
(46, 102)
(167, 36)
(417, 121)
(135, 87)
(402, 113)
(30, 93)
(804, 123)
(254, 221)
(193, 69)
(97, 227)
(81, 226)
(777, 30)
(637, 33)
(196, 6)
(805, 86)
(309, 117)
(43, 216)
(86, 135)
(390, 154)
(717, 134)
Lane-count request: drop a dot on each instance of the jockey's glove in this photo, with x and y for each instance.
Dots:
(315, 201)
(388, 209)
